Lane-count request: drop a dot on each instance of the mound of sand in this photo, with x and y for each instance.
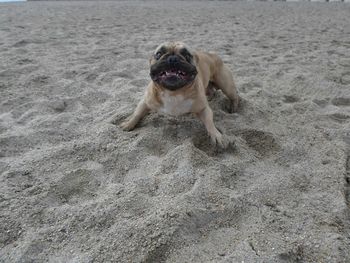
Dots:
(75, 188)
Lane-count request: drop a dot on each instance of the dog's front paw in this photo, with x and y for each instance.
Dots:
(127, 126)
(220, 140)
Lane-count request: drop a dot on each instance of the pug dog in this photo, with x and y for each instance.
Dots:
(180, 82)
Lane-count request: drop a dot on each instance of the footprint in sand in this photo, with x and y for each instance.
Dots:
(339, 117)
(59, 105)
(76, 186)
(25, 61)
(290, 99)
(40, 79)
(345, 78)
(246, 87)
(321, 102)
(90, 77)
(341, 101)
(21, 43)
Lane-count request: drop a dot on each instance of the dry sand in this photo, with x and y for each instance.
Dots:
(75, 188)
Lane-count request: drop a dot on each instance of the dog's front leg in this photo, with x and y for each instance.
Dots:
(206, 116)
(140, 112)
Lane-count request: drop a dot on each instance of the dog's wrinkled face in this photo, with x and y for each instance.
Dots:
(173, 66)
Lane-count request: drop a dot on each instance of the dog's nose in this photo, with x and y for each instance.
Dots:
(172, 59)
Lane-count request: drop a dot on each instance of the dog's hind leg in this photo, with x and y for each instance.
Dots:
(223, 80)
(210, 90)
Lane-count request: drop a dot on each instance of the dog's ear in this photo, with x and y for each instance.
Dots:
(151, 58)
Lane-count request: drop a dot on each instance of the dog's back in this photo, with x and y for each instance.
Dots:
(210, 64)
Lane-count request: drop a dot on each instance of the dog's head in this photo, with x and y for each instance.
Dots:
(173, 66)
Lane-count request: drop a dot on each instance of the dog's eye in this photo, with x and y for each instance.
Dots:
(188, 57)
(157, 55)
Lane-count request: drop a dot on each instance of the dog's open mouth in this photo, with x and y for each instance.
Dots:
(173, 77)
(173, 73)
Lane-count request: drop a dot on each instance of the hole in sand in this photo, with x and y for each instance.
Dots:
(341, 101)
(203, 143)
(226, 105)
(290, 99)
(262, 142)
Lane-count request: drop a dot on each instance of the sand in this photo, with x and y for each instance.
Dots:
(76, 188)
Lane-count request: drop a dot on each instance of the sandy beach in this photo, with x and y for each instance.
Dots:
(76, 188)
